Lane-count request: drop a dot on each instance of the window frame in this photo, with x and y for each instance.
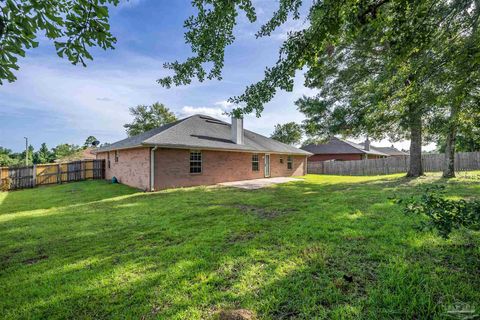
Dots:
(197, 163)
(255, 162)
(289, 163)
(116, 156)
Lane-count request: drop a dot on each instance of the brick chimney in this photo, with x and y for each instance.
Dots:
(367, 144)
(237, 130)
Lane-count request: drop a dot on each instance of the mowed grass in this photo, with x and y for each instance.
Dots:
(93, 250)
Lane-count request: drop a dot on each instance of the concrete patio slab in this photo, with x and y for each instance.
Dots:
(257, 183)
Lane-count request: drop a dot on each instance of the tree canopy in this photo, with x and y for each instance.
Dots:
(468, 135)
(289, 133)
(43, 155)
(73, 25)
(148, 117)
(397, 26)
(382, 66)
(64, 150)
(7, 158)
(91, 141)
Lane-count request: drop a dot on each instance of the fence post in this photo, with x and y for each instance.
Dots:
(34, 173)
(59, 174)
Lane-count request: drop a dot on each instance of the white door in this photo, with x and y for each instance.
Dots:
(267, 165)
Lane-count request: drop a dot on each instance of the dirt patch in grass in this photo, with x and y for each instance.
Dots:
(239, 314)
(35, 259)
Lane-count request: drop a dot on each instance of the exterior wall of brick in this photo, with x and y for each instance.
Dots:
(172, 167)
(132, 168)
(279, 169)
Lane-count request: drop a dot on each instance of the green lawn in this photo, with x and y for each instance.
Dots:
(95, 250)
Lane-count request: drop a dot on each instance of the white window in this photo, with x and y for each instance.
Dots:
(255, 162)
(116, 155)
(195, 162)
(289, 162)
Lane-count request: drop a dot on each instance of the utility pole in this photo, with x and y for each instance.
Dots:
(26, 151)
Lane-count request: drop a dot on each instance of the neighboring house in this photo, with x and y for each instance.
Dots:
(199, 150)
(343, 150)
(84, 154)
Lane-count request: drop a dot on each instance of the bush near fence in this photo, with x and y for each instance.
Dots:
(12, 178)
(464, 161)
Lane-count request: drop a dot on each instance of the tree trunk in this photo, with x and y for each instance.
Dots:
(416, 167)
(449, 164)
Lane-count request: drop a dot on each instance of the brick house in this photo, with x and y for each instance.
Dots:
(199, 150)
(343, 150)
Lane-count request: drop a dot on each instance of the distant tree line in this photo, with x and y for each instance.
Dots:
(43, 154)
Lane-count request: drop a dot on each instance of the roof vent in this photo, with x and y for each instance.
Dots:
(237, 130)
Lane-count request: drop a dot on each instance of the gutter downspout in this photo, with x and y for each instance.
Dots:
(152, 168)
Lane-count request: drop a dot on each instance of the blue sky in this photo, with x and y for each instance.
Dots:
(55, 102)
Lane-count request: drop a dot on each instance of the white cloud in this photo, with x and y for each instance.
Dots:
(219, 110)
(224, 104)
(219, 113)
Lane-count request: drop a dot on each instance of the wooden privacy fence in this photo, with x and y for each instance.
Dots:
(12, 178)
(464, 161)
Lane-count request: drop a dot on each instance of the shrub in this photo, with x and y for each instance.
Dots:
(444, 215)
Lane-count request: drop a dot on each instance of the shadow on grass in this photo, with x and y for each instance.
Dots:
(187, 253)
(50, 196)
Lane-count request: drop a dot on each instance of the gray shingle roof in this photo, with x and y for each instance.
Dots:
(391, 151)
(340, 146)
(202, 132)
